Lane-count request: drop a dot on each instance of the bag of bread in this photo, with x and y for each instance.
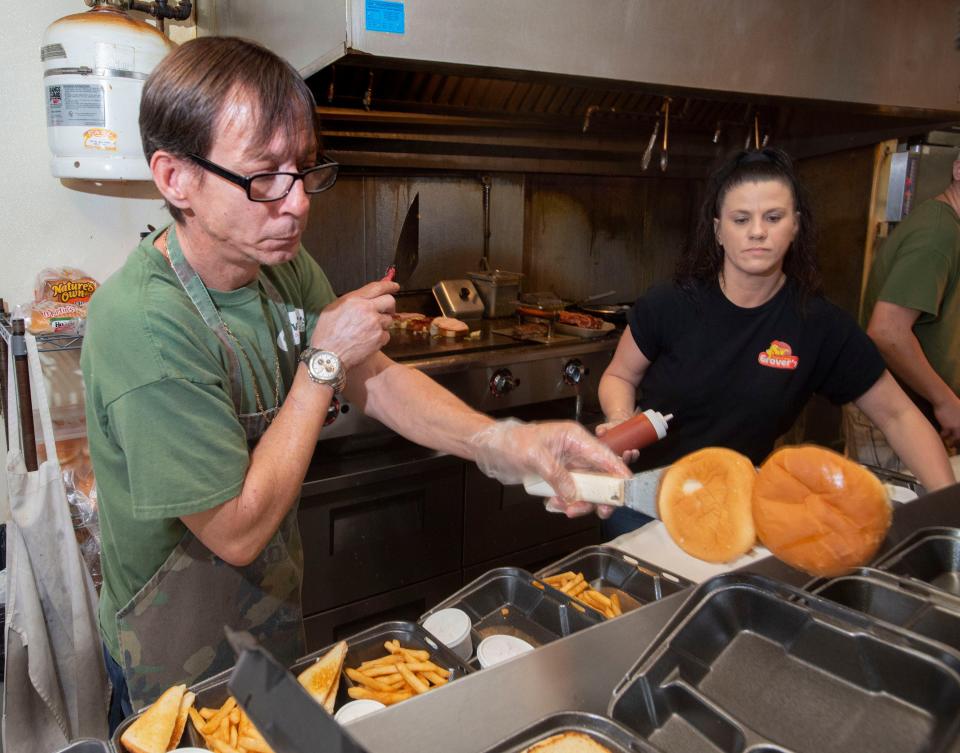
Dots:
(60, 298)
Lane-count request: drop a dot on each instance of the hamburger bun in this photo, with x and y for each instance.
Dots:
(819, 511)
(568, 742)
(444, 326)
(704, 502)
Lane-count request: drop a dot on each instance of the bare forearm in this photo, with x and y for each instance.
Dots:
(906, 359)
(418, 408)
(618, 397)
(907, 431)
(913, 438)
(239, 529)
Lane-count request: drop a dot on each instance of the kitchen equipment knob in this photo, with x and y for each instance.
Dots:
(574, 372)
(503, 382)
(332, 412)
(464, 294)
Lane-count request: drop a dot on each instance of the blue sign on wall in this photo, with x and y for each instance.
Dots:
(384, 15)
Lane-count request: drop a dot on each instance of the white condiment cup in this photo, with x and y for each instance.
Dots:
(499, 648)
(452, 628)
(355, 709)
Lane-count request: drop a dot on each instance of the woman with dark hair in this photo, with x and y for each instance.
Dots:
(737, 343)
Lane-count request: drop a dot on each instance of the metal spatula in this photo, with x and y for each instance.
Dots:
(280, 708)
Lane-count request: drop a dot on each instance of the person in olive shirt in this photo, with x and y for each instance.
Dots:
(210, 361)
(912, 310)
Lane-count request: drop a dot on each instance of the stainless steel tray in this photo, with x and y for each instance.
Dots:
(905, 603)
(86, 745)
(368, 644)
(751, 664)
(930, 555)
(511, 601)
(612, 735)
(609, 570)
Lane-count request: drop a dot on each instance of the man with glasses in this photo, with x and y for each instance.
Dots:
(210, 361)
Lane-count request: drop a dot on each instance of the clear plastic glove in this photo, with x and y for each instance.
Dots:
(511, 451)
(630, 456)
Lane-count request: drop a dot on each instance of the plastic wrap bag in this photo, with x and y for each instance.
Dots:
(60, 298)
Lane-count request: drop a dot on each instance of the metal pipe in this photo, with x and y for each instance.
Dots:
(159, 9)
(485, 184)
(3, 378)
(18, 345)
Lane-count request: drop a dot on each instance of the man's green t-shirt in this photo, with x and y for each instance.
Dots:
(164, 435)
(918, 267)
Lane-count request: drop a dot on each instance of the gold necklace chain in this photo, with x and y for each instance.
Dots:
(161, 244)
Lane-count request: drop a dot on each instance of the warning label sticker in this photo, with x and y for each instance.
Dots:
(75, 105)
(100, 138)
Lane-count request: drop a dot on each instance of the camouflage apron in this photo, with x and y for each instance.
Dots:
(172, 630)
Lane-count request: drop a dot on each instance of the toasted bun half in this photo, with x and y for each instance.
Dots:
(704, 501)
(568, 742)
(819, 511)
(153, 729)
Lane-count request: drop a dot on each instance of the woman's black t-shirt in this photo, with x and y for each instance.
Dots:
(738, 377)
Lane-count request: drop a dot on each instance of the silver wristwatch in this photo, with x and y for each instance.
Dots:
(325, 368)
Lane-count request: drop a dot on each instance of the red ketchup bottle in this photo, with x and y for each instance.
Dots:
(637, 432)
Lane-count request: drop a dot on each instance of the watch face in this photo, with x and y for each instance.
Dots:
(324, 366)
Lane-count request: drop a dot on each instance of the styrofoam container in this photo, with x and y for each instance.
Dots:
(495, 649)
(355, 709)
(452, 628)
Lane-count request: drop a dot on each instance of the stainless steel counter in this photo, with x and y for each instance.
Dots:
(577, 672)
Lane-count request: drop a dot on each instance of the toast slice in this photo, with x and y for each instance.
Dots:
(322, 679)
(153, 729)
(185, 703)
(568, 742)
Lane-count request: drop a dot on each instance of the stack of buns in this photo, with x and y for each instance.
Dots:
(812, 508)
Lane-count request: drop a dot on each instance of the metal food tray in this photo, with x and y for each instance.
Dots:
(608, 570)
(86, 745)
(368, 644)
(749, 664)
(610, 734)
(511, 601)
(912, 605)
(930, 555)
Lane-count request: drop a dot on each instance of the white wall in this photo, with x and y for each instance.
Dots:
(44, 222)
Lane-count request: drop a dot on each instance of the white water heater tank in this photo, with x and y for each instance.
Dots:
(94, 66)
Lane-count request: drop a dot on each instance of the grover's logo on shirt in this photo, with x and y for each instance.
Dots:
(778, 356)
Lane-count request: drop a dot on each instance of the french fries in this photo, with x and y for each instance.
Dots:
(575, 585)
(401, 674)
(228, 729)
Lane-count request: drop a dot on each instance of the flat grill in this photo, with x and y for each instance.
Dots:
(495, 373)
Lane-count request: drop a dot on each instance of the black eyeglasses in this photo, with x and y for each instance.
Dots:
(274, 186)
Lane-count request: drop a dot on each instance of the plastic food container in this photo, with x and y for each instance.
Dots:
(498, 290)
(355, 709)
(499, 648)
(452, 628)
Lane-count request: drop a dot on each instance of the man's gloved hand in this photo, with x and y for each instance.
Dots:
(511, 451)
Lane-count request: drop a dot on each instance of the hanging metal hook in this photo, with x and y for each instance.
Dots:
(666, 133)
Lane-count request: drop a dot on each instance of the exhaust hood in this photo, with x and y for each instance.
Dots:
(580, 85)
